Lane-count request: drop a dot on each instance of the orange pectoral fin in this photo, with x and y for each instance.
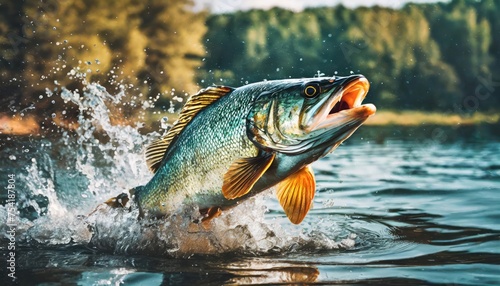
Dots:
(244, 173)
(296, 194)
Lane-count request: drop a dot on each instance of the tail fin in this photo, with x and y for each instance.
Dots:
(118, 202)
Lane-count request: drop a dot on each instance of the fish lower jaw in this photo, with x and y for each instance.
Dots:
(365, 110)
(348, 116)
(368, 109)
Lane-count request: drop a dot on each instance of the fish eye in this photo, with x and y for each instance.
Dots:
(311, 90)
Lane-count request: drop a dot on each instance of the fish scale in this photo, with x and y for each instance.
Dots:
(203, 152)
(231, 144)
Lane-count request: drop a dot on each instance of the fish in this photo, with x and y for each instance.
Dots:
(230, 144)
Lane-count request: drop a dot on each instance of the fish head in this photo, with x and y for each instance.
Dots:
(306, 114)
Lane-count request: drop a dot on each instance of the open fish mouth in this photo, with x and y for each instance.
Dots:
(345, 108)
(351, 96)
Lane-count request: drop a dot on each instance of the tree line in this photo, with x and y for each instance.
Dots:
(436, 56)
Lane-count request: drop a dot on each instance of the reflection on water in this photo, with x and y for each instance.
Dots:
(401, 211)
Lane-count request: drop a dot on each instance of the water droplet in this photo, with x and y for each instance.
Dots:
(319, 74)
(164, 123)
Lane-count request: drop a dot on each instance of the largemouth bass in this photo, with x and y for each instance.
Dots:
(232, 143)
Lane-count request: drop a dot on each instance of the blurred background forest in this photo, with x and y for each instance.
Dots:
(439, 57)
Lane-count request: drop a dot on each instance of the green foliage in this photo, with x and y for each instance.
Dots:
(147, 47)
(430, 57)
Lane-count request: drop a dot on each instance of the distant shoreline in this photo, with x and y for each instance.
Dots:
(29, 125)
(415, 118)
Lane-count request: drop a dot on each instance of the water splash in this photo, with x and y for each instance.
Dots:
(77, 172)
(244, 230)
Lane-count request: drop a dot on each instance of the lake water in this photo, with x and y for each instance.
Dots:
(394, 206)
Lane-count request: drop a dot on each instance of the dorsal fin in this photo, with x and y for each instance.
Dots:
(205, 97)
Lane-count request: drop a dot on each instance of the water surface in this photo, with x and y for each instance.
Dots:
(393, 206)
